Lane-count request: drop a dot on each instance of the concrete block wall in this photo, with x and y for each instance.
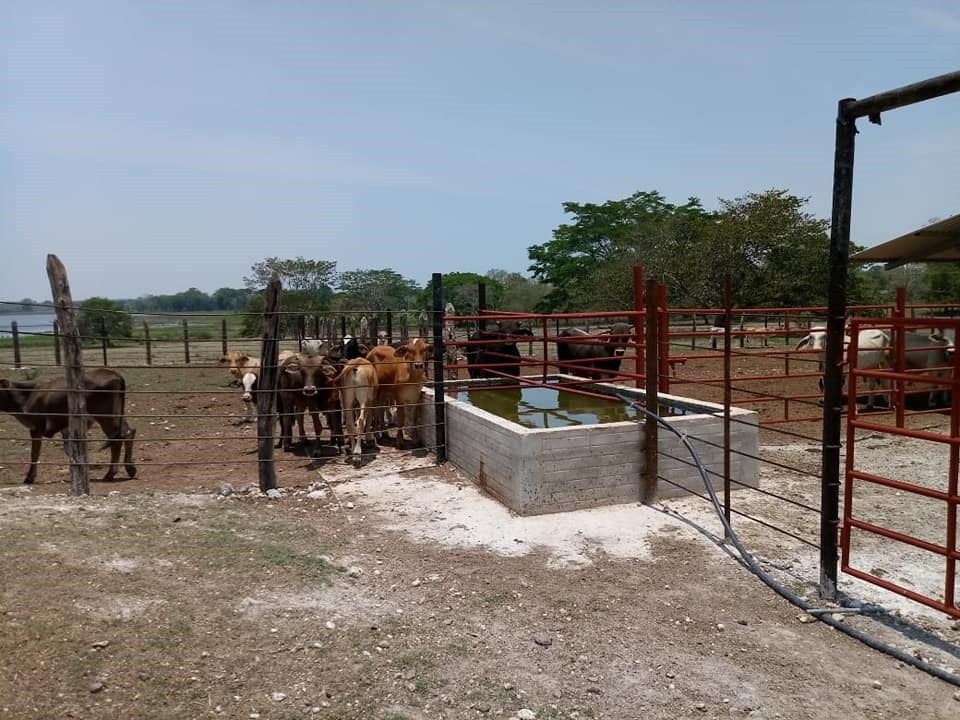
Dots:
(536, 471)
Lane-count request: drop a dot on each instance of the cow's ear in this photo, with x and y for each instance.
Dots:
(428, 349)
(401, 351)
(329, 370)
(223, 360)
(803, 343)
(243, 359)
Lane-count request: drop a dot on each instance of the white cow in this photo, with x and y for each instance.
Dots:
(873, 353)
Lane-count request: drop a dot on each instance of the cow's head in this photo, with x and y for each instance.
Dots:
(235, 361)
(310, 372)
(249, 383)
(619, 336)
(416, 352)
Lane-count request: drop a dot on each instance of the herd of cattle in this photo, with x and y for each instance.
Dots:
(360, 390)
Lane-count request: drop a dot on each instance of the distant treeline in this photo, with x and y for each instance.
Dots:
(192, 300)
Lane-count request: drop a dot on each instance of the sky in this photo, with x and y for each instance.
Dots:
(155, 147)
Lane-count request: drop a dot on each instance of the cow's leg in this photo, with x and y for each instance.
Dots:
(335, 422)
(317, 425)
(128, 434)
(36, 438)
(401, 423)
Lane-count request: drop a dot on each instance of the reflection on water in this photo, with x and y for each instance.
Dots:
(544, 407)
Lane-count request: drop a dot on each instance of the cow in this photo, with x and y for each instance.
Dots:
(593, 356)
(496, 347)
(304, 384)
(357, 385)
(929, 354)
(250, 383)
(401, 373)
(42, 408)
(873, 353)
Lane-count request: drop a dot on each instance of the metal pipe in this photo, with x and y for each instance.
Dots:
(833, 376)
(898, 97)
(439, 407)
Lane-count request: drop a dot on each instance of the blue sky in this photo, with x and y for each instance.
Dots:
(159, 146)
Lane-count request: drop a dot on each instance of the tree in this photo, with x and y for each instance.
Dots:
(604, 242)
(297, 274)
(375, 290)
(520, 294)
(97, 313)
(307, 289)
(28, 305)
(462, 289)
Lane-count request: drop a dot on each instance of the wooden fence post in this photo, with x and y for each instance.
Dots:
(223, 334)
(56, 343)
(146, 337)
(76, 435)
(15, 331)
(266, 469)
(103, 339)
(186, 342)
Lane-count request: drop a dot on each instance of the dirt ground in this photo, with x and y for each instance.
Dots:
(398, 590)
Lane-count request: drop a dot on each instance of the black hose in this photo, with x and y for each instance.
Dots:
(755, 568)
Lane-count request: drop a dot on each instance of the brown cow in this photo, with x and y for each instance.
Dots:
(305, 384)
(357, 384)
(42, 408)
(400, 375)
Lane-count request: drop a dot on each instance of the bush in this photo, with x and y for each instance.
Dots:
(98, 314)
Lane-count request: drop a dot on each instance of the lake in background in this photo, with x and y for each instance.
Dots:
(27, 323)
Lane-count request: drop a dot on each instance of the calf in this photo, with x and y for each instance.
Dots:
(357, 384)
(401, 372)
(42, 408)
(305, 384)
(250, 382)
(238, 363)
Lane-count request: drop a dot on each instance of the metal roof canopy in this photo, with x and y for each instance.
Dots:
(937, 242)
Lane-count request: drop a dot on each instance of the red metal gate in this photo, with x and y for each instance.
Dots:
(855, 474)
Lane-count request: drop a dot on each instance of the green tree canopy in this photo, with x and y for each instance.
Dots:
(773, 248)
(317, 276)
(462, 289)
(520, 294)
(375, 290)
(99, 313)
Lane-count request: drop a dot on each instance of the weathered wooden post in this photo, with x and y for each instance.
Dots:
(404, 329)
(56, 343)
(103, 339)
(146, 337)
(223, 335)
(15, 331)
(389, 327)
(76, 435)
(266, 470)
(186, 342)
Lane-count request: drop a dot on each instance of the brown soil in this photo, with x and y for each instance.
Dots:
(156, 598)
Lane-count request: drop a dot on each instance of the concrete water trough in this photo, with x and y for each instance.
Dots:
(542, 460)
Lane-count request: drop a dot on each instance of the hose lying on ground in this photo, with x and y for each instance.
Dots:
(755, 568)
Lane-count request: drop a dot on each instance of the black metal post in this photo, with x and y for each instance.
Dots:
(389, 327)
(727, 395)
(223, 334)
(833, 372)
(481, 304)
(439, 408)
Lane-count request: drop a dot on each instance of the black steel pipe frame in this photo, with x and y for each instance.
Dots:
(439, 408)
(848, 110)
